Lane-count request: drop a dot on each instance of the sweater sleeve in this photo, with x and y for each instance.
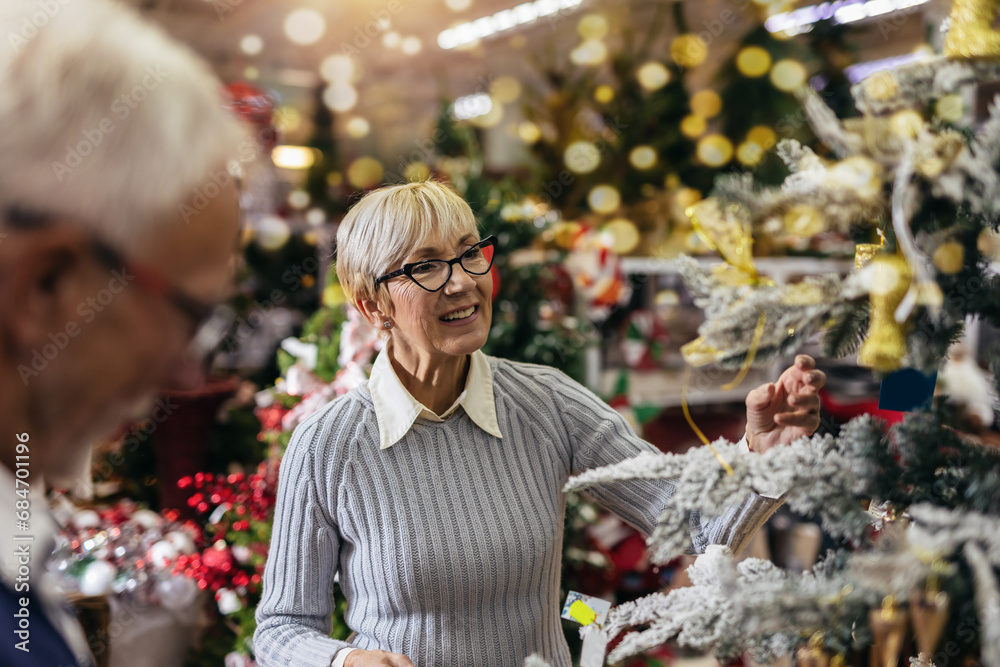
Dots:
(600, 436)
(293, 617)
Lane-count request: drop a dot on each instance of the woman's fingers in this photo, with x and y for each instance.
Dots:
(761, 397)
(802, 418)
(816, 379)
(804, 401)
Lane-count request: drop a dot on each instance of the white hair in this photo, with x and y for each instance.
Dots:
(104, 118)
(389, 223)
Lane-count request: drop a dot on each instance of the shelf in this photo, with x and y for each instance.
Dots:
(662, 388)
(778, 268)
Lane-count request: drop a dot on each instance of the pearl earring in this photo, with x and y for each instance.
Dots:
(387, 324)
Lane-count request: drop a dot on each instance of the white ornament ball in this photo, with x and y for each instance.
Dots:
(162, 554)
(182, 541)
(148, 519)
(86, 519)
(242, 554)
(177, 592)
(229, 601)
(97, 578)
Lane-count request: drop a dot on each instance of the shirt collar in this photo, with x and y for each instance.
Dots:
(396, 409)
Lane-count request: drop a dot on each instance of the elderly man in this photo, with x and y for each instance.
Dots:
(118, 221)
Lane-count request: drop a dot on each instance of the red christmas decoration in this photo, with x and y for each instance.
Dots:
(255, 107)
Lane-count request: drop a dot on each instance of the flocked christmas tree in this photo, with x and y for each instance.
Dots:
(916, 506)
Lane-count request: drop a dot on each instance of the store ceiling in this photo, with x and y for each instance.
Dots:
(400, 94)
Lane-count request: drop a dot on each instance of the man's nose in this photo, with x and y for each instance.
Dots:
(186, 374)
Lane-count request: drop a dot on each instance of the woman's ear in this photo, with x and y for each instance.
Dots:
(370, 310)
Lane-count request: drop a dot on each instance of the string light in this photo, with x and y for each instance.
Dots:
(471, 106)
(251, 45)
(304, 26)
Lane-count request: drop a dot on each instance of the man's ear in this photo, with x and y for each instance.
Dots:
(43, 285)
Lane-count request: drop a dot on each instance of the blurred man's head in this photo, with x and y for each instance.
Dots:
(118, 220)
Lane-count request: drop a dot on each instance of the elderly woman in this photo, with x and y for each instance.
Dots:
(435, 489)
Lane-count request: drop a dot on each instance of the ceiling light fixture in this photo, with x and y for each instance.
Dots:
(842, 11)
(525, 13)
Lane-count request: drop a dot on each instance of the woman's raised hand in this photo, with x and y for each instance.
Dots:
(360, 658)
(781, 412)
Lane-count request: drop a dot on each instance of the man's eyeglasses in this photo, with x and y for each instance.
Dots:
(433, 274)
(210, 323)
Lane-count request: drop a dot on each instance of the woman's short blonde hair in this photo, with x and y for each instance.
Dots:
(388, 224)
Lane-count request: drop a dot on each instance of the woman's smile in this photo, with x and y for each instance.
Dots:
(462, 317)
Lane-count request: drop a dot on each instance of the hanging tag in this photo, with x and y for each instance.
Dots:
(595, 643)
(585, 609)
(591, 613)
(906, 390)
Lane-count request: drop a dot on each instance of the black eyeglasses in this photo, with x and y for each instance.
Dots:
(433, 274)
(210, 323)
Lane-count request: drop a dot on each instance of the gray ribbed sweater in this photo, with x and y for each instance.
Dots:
(449, 543)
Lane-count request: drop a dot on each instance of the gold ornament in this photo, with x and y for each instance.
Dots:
(592, 26)
(858, 173)
(763, 136)
(706, 103)
(590, 52)
(727, 230)
(864, 253)
(802, 294)
(906, 124)
(653, 75)
(949, 257)
(505, 89)
(642, 157)
(688, 50)
(582, 157)
(813, 654)
(566, 233)
(604, 199)
(714, 150)
(788, 75)
(881, 86)
(749, 153)
(693, 126)
(804, 220)
(950, 108)
(888, 629)
(885, 343)
(686, 197)
(971, 34)
(365, 172)
(604, 94)
(622, 234)
(529, 132)
(928, 614)
(333, 296)
(416, 172)
(753, 61)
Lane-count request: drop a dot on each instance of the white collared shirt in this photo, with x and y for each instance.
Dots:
(396, 409)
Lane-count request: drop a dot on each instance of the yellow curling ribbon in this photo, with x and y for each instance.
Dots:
(581, 613)
(727, 230)
(694, 427)
(751, 355)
